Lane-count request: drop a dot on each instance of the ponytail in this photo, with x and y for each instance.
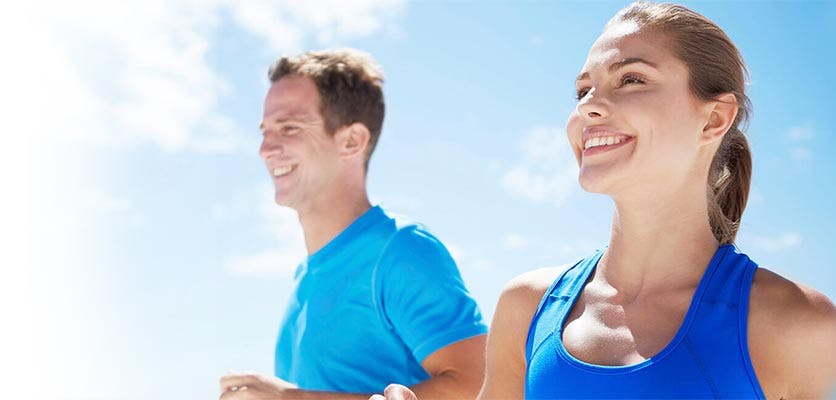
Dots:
(715, 66)
(728, 184)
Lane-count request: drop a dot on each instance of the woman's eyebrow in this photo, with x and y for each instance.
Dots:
(620, 64)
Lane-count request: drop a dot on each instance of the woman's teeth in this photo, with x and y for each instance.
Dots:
(603, 141)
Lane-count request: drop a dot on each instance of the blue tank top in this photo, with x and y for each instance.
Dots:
(707, 358)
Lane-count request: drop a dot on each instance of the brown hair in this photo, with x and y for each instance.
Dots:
(350, 86)
(715, 67)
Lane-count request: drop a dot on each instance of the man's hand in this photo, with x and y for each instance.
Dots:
(395, 392)
(253, 386)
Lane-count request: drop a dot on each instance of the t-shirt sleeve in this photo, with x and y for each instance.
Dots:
(422, 296)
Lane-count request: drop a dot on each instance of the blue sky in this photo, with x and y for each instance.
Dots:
(158, 260)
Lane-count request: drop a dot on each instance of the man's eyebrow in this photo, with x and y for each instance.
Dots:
(298, 117)
(621, 64)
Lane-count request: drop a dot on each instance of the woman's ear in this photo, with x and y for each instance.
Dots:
(722, 112)
(353, 139)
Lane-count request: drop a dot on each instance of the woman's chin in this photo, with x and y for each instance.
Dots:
(593, 183)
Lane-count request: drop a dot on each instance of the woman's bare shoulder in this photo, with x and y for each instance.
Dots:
(779, 300)
(531, 286)
(792, 337)
(520, 297)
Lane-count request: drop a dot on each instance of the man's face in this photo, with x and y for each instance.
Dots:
(300, 155)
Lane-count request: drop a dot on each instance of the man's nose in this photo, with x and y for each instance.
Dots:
(270, 145)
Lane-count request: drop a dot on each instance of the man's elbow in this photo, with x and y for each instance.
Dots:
(464, 382)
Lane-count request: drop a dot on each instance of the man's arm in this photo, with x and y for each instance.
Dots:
(431, 311)
(455, 370)
(253, 386)
(506, 364)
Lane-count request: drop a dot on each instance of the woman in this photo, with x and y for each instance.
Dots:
(670, 308)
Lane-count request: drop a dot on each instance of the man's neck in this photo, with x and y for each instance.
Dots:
(323, 223)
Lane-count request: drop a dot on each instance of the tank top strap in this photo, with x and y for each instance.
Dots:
(732, 275)
(558, 300)
(719, 335)
(707, 358)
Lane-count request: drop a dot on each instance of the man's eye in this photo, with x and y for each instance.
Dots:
(581, 93)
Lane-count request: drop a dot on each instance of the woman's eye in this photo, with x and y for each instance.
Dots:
(290, 130)
(630, 79)
(581, 93)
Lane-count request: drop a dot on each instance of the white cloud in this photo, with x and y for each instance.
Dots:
(140, 70)
(286, 24)
(799, 136)
(572, 250)
(784, 241)
(801, 153)
(800, 133)
(281, 222)
(457, 252)
(548, 171)
(122, 73)
(467, 261)
(271, 263)
(515, 240)
(399, 203)
(107, 202)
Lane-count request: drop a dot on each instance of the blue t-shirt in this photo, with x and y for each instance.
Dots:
(370, 306)
(708, 358)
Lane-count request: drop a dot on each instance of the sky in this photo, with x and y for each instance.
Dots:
(143, 255)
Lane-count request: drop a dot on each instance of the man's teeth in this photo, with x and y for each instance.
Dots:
(279, 171)
(603, 141)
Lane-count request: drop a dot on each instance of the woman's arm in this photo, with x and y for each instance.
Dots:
(506, 363)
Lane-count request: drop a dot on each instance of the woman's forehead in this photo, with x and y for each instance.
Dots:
(626, 40)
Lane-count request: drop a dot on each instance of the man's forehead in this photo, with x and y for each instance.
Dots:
(280, 115)
(291, 97)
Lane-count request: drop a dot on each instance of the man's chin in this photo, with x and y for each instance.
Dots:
(282, 200)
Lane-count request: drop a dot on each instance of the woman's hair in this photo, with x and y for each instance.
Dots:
(715, 67)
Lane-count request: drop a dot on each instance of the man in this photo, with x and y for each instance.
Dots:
(379, 299)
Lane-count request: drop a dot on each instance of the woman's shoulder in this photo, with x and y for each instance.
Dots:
(521, 296)
(512, 318)
(531, 286)
(779, 300)
(792, 336)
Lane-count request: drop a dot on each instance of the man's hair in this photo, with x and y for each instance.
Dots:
(350, 85)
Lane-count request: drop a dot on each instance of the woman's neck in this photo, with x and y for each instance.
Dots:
(659, 242)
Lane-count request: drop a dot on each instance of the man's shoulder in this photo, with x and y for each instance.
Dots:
(406, 234)
(411, 248)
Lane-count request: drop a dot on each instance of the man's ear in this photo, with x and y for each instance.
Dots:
(722, 112)
(353, 139)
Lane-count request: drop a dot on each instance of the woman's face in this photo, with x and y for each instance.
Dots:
(636, 125)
